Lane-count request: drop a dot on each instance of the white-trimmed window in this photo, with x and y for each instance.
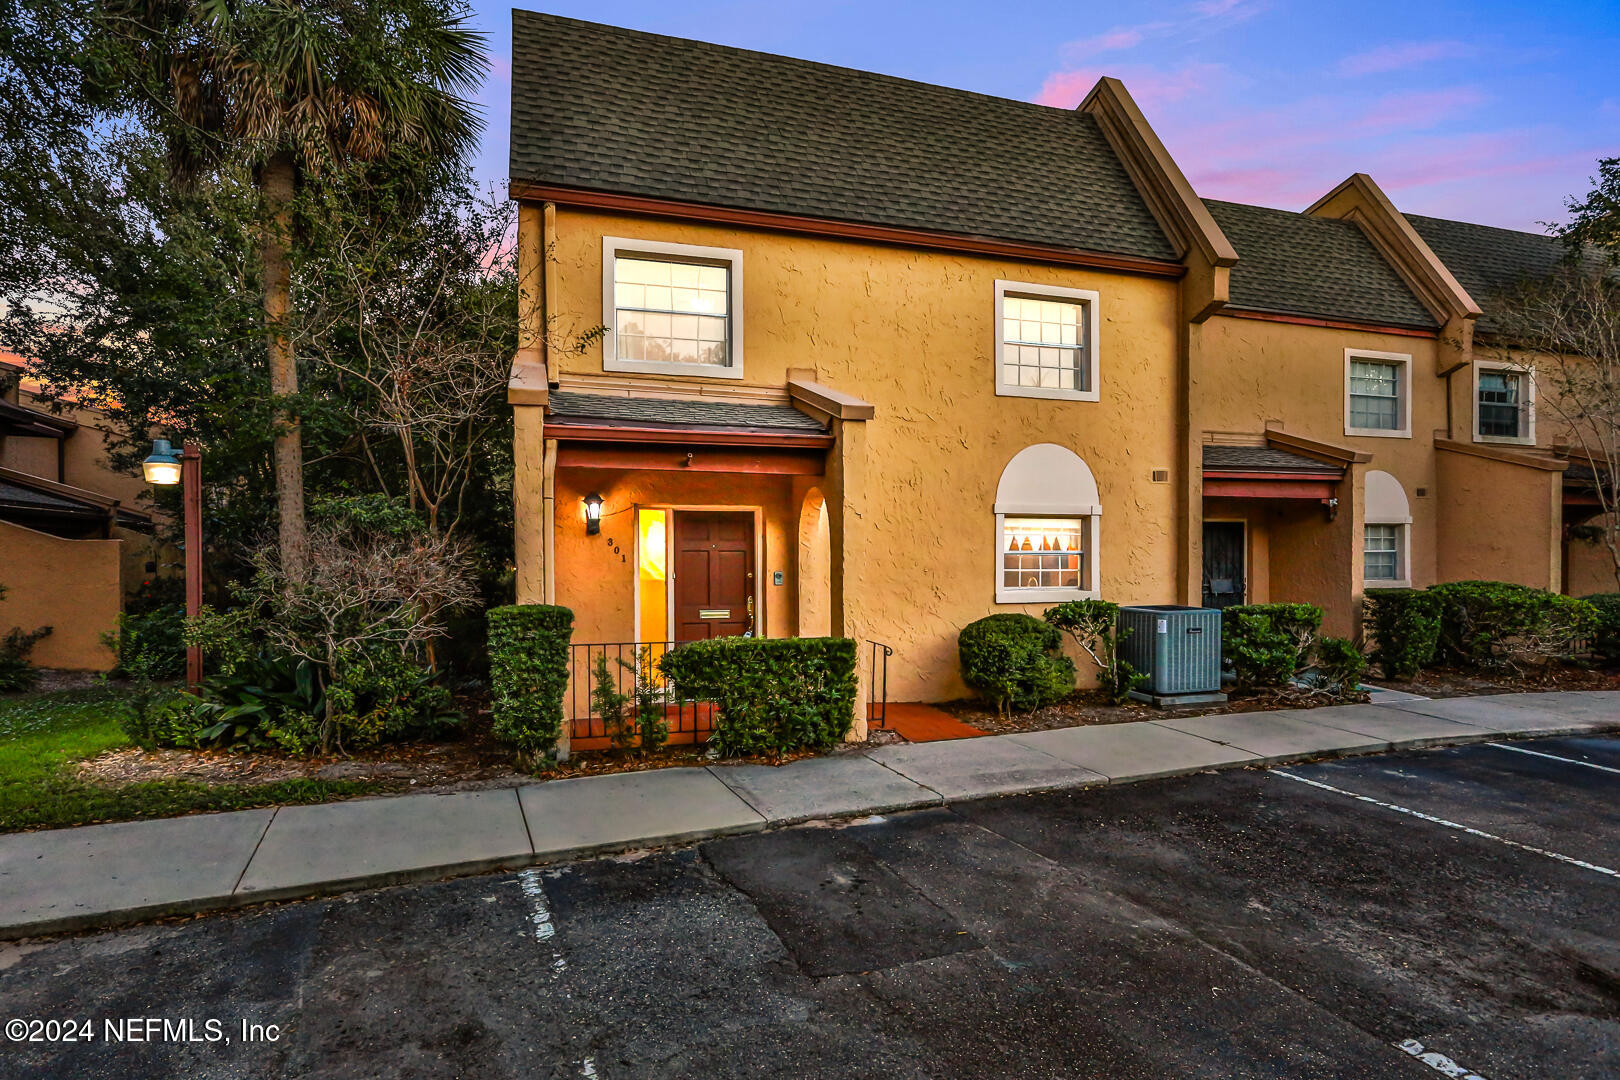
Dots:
(1387, 533)
(672, 309)
(1046, 341)
(1377, 394)
(1504, 403)
(1047, 528)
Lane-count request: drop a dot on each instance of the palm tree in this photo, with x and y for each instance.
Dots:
(292, 88)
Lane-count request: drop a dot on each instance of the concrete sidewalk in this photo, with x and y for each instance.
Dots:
(105, 875)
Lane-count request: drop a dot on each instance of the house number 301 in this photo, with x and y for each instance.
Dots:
(616, 550)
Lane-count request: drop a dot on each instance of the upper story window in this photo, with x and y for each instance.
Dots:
(1504, 404)
(1046, 341)
(1377, 394)
(671, 308)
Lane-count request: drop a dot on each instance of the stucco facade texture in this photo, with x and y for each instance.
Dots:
(914, 333)
(70, 586)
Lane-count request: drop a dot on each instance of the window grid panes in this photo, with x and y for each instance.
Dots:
(671, 312)
(1375, 395)
(1501, 406)
(1043, 553)
(1044, 344)
(1382, 556)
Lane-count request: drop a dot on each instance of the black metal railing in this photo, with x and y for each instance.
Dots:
(628, 670)
(877, 688)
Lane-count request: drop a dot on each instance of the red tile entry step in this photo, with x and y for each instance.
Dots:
(924, 723)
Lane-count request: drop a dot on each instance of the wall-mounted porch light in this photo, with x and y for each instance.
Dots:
(593, 514)
(162, 465)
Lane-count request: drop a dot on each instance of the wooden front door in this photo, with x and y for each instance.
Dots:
(714, 574)
(1223, 564)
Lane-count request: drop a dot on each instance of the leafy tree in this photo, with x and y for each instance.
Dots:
(288, 90)
(1594, 224)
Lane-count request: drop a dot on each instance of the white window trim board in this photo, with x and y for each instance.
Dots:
(1088, 297)
(1091, 588)
(612, 246)
(1405, 360)
(1527, 377)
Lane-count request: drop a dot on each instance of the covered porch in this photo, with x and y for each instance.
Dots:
(1277, 525)
(673, 519)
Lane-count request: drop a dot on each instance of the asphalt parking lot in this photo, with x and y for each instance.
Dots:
(1440, 912)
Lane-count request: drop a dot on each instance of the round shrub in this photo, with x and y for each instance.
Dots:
(1405, 625)
(1340, 664)
(1015, 661)
(1606, 635)
(1268, 644)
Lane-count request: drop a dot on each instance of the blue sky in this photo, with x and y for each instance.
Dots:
(1491, 112)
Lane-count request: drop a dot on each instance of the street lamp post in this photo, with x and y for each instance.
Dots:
(166, 468)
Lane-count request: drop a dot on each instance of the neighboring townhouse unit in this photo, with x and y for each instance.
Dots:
(72, 543)
(809, 350)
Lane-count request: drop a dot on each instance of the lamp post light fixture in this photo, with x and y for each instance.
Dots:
(165, 468)
(593, 514)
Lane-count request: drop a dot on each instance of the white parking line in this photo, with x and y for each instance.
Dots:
(1552, 757)
(1450, 824)
(540, 916)
(1438, 1062)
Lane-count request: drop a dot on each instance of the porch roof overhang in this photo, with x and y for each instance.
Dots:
(1266, 472)
(605, 432)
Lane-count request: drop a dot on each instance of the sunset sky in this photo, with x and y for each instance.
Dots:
(1490, 112)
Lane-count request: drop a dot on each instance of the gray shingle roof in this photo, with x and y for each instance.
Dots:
(1293, 264)
(1486, 260)
(14, 495)
(606, 109)
(664, 412)
(1261, 459)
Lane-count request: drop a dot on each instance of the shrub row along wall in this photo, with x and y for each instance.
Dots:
(1478, 623)
(770, 695)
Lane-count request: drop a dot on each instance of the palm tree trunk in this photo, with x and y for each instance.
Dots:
(276, 184)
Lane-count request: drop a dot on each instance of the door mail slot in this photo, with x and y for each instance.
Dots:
(714, 613)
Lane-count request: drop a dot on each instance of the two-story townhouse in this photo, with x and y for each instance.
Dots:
(810, 350)
(877, 358)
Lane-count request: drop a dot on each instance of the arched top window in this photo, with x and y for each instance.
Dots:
(1047, 527)
(1387, 532)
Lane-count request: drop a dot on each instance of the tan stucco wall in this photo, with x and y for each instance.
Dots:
(1499, 522)
(1590, 567)
(913, 333)
(71, 586)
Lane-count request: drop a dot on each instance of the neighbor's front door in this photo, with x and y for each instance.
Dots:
(1223, 563)
(714, 574)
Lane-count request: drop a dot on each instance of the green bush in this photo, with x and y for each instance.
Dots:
(152, 645)
(1340, 664)
(1094, 626)
(1606, 634)
(1405, 625)
(1015, 661)
(1266, 645)
(1496, 622)
(772, 695)
(166, 718)
(528, 672)
(16, 673)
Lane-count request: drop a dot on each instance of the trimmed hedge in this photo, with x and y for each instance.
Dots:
(771, 695)
(1340, 664)
(1606, 636)
(528, 674)
(1489, 622)
(1268, 644)
(1015, 661)
(1405, 625)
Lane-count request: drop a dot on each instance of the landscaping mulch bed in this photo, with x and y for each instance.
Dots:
(1087, 708)
(1455, 682)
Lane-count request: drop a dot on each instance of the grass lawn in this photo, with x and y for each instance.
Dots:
(41, 734)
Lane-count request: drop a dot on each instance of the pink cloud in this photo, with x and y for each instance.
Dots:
(1399, 55)
(1418, 109)
(1240, 9)
(1150, 87)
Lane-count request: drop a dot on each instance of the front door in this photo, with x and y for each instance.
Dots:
(1223, 563)
(714, 574)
